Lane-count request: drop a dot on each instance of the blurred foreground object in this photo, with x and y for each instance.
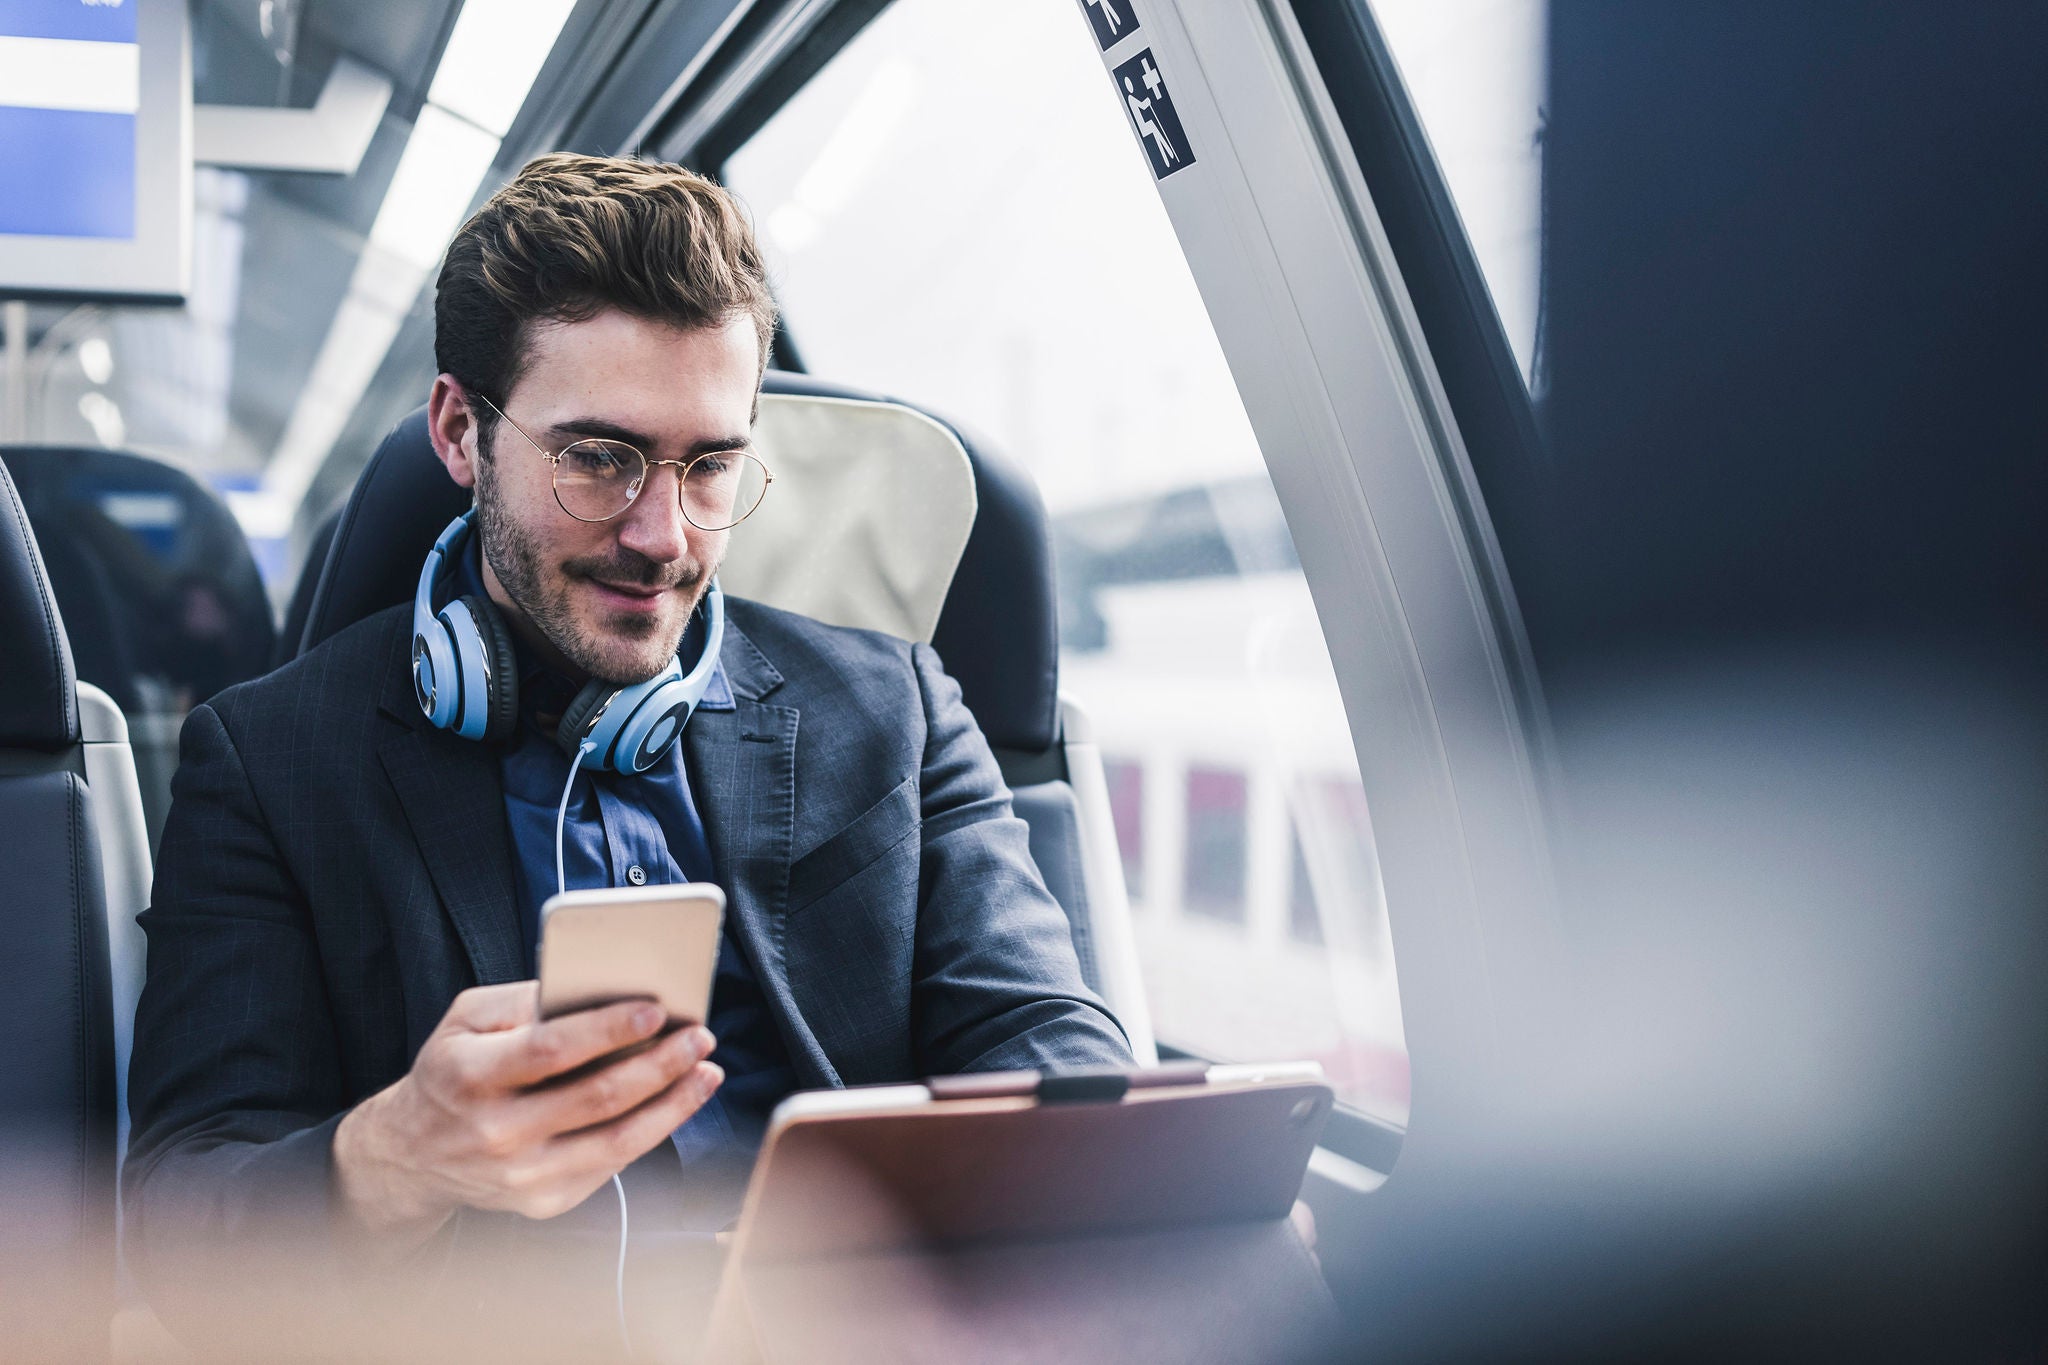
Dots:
(1782, 572)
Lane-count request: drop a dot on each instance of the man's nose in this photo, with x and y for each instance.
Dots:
(654, 525)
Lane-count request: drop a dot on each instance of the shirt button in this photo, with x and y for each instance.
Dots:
(636, 876)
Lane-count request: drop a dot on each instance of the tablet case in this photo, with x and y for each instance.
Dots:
(1151, 1226)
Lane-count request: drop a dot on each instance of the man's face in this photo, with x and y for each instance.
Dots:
(611, 598)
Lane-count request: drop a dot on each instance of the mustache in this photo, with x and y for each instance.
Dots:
(633, 570)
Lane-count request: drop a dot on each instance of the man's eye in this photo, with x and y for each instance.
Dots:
(597, 460)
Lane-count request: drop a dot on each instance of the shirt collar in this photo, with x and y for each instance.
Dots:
(542, 688)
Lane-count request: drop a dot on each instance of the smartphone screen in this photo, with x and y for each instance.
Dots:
(656, 943)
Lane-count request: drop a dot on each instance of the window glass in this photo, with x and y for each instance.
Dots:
(1304, 921)
(1218, 804)
(1126, 782)
(954, 210)
(1474, 71)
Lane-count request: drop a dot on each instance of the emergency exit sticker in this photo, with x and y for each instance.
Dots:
(1151, 110)
(1112, 20)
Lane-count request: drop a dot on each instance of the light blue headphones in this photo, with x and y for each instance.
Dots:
(466, 677)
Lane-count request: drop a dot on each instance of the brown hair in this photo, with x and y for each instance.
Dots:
(573, 235)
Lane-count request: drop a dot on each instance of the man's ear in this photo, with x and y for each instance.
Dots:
(451, 426)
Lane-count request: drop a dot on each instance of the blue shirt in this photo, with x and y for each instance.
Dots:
(618, 825)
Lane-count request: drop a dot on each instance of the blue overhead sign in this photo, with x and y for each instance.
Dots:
(70, 91)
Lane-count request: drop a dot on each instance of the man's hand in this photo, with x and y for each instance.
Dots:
(474, 1123)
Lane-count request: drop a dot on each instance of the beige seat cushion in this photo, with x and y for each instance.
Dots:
(866, 521)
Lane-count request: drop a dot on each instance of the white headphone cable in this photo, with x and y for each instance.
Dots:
(619, 1186)
(619, 1281)
(562, 814)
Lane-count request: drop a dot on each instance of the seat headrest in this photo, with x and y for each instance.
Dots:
(872, 508)
(997, 631)
(38, 691)
(402, 500)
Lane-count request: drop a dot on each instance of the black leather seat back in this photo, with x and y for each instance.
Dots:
(999, 631)
(301, 604)
(56, 1015)
(402, 501)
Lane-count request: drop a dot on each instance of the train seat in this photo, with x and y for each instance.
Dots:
(901, 522)
(159, 590)
(83, 558)
(57, 1092)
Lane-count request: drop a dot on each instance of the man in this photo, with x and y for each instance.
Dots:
(337, 1044)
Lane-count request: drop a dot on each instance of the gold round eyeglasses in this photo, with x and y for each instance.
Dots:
(596, 479)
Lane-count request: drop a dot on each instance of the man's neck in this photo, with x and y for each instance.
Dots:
(543, 650)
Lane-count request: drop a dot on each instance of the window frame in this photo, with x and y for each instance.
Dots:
(1362, 1138)
(1474, 410)
(1495, 409)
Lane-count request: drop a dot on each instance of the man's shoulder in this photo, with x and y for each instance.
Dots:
(348, 671)
(793, 641)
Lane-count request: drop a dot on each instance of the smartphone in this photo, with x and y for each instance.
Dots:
(656, 943)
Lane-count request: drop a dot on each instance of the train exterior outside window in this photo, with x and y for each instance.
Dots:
(1217, 846)
(1474, 72)
(1126, 780)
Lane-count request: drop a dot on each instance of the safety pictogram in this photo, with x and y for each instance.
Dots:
(1112, 20)
(1151, 109)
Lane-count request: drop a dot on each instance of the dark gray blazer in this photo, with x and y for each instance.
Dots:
(334, 870)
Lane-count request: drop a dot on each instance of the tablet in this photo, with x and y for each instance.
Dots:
(1099, 1216)
(1011, 1155)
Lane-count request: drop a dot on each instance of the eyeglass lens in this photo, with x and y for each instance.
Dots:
(597, 480)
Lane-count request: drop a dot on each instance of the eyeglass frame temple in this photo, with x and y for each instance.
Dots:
(555, 459)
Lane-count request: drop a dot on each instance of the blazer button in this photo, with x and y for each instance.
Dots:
(636, 876)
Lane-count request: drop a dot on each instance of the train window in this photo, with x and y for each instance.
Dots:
(1302, 919)
(1218, 805)
(1126, 781)
(1473, 70)
(954, 210)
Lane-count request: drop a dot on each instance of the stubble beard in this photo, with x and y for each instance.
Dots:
(627, 648)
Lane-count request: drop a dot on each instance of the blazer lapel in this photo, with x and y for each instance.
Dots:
(453, 796)
(743, 768)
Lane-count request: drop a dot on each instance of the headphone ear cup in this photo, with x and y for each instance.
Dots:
(504, 662)
(582, 711)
